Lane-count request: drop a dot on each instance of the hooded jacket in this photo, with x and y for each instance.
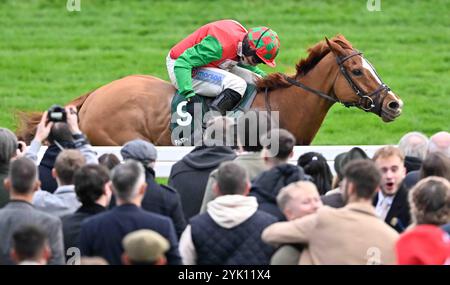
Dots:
(190, 175)
(268, 184)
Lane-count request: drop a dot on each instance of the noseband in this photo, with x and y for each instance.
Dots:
(367, 102)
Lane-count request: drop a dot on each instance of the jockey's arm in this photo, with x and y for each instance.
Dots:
(253, 69)
(208, 50)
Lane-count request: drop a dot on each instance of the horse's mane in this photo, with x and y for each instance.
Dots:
(315, 55)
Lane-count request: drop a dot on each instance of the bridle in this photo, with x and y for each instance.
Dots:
(367, 102)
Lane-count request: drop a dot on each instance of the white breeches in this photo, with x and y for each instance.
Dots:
(209, 81)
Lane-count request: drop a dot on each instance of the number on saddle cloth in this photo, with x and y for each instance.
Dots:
(186, 131)
(242, 107)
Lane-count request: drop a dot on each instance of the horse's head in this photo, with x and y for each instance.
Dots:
(358, 84)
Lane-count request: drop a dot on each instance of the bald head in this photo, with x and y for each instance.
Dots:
(299, 199)
(440, 142)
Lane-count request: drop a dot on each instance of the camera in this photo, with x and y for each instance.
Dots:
(57, 113)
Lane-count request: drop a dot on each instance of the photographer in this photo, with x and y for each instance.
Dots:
(10, 148)
(59, 126)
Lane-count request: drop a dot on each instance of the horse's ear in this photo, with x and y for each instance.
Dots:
(333, 47)
(329, 44)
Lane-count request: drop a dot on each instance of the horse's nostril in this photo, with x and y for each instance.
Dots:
(393, 105)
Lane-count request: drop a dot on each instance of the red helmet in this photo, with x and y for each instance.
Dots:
(266, 44)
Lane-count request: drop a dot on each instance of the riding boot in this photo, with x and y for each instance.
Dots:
(225, 101)
(191, 103)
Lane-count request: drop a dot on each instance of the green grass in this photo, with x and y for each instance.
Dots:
(48, 55)
(162, 180)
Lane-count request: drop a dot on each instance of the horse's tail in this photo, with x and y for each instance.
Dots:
(28, 121)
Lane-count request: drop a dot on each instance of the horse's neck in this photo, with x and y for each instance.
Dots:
(302, 112)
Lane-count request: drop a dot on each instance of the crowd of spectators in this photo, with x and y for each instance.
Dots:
(240, 204)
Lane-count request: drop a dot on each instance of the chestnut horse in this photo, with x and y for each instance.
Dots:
(138, 106)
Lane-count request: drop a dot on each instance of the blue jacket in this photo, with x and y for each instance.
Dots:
(102, 234)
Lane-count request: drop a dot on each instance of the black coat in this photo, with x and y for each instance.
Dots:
(102, 234)
(48, 183)
(163, 200)
(398, 216)
(411, 179)
(189, 176)
(267, 185)
(72, 224)
(412, 163)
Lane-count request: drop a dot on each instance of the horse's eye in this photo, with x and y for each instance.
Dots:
(356, 72)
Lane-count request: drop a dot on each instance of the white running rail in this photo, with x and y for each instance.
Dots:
(168, 155)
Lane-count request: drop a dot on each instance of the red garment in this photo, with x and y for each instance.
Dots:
(229, 33)
(423, 245)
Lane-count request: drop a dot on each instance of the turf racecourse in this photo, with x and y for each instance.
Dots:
(50, 55)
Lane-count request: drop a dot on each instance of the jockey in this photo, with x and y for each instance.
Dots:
(218, 60)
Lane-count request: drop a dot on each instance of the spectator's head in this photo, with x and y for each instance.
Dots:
(91, 185)
(8, 146)
(60, 132)
(251, 127)
(440, 142)
(298, 199)
(30, 244)
(423, 245)
(144, 247)
(429, 200)
(436, 164)
(128, 181)
(108, 160)
(281, 146)
(232, 179)
(414, 144)
(341, 160)
(140, 150)
(22, 178)
(361, 180)
(67, 162)
(317, 167)
(390, 161)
